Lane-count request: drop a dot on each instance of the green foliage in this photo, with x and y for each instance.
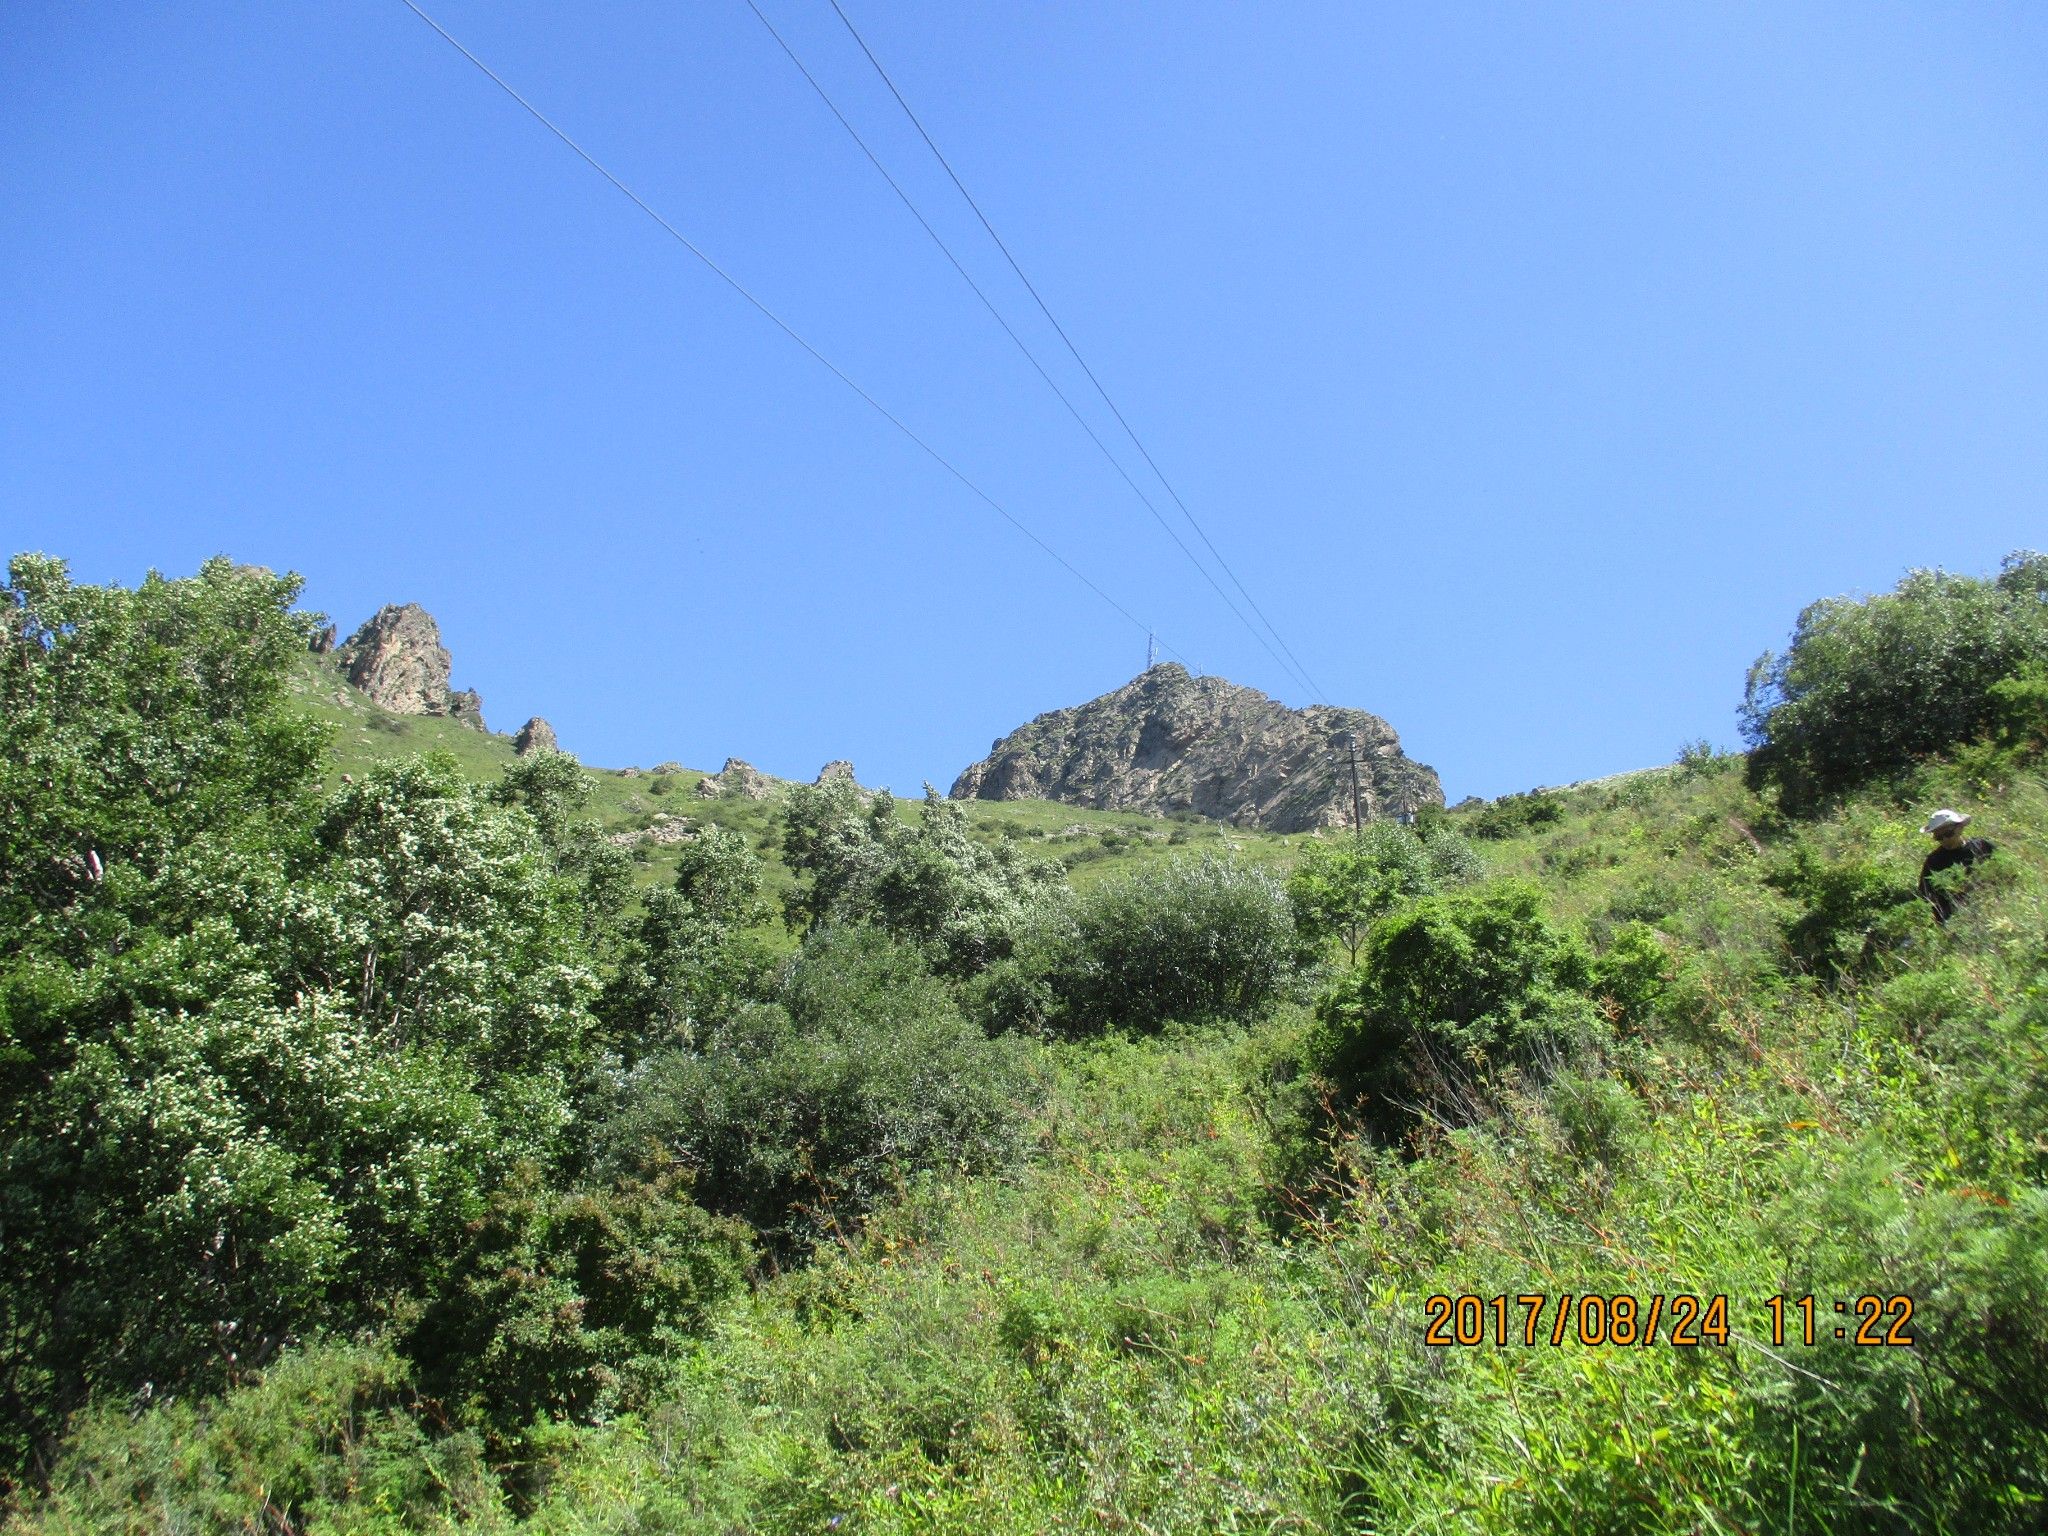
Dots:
(331, 1438)
(1451, 992)
(1199, 938)
(802, 1115)
(690, 962)
(1513, 814)
(933, 884)
(1869, 687)
(1851, 911)
(1342, 886)
(569, 1303)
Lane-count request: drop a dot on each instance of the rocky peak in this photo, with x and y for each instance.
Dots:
(398, 662)
(1168, 742)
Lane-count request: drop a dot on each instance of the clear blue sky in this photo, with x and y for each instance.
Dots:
(1532, 363)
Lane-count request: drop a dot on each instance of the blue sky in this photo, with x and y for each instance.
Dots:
(1533, 364)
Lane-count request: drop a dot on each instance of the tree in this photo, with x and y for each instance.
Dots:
(1342, 886)
(1866, 687)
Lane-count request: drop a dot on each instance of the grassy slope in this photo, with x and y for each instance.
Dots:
(1092, 845)
(1114, 1339)
(1119, 1337)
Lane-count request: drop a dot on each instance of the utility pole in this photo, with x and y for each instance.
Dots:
(1348, 740)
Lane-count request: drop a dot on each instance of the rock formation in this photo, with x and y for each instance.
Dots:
(1166, 742)
(323, 641)
(535, 736)
(398, 662)
(838, 768)
(737, 780)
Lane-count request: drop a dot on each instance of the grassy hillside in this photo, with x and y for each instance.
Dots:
(1089, 845)
(1143, 1329)
(1672, 1171)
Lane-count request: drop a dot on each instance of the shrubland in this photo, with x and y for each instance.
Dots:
(381, 1157)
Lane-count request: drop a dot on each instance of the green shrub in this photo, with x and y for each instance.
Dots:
(1853, 911)
(1195, 939)
(1868, 687)
(801, 1115)
(1449, 993)
(1514, 814)
(567, 1303)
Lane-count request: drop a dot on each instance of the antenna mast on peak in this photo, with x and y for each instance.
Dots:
(1151, 651)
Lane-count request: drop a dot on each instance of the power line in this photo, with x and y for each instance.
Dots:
(1046, 310)
(1022, 346)
(782, 325)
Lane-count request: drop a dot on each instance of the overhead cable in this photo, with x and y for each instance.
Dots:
(1046, 310)
(780, 324)
(1022, 346)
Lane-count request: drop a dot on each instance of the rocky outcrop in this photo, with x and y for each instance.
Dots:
(398, 662)
(1167, 742)
(322, 641)
(737, 780)
(535, 736)
(838, 768)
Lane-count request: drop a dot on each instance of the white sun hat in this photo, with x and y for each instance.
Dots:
(1942, 820)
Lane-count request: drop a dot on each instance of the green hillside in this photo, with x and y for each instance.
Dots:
(1089, 845)
(436, 1181)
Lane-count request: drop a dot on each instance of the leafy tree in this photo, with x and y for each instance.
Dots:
(1342, 886)
(1866, 687)
(690, 963)
(930, 883)
(568, 1302)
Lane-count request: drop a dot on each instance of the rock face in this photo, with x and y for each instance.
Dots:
(535, 736)
(323, 642)
(1166, 742)
(738, 780)
(838, 768)
(398, 662)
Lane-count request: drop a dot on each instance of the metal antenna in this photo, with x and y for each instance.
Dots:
(1151, 652)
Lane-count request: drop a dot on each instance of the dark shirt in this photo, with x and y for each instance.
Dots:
(1966, 853)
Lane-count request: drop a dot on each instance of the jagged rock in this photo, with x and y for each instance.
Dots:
(323, 642)
(398, 662)
(535, 736)
(629, 773)
(738, 780)
(467, 706)
(670, 767)
(1167, 742)
(838, 768)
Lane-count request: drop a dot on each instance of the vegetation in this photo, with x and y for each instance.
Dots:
(395, 1155)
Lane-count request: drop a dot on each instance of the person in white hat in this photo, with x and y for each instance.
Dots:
(1950, 849)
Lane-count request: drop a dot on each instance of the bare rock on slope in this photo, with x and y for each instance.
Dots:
(399, 664)
(535, 736)
(1167, 742)
(737, 780)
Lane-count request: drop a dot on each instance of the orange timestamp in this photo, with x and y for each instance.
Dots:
(1684, 1320)
(1565, 1318)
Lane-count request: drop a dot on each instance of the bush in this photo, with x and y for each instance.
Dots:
(1193, 940)
(805, 1113)
(567, 1302)
(1869, 687)
(1456, 989)
(1512, 815)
